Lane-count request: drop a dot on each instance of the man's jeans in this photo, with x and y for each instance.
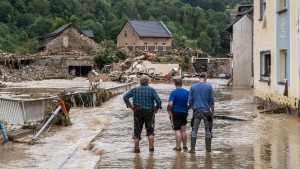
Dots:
(208, 122)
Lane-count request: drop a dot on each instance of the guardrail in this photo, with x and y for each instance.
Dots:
(29, 111)
(20, 111)
(121, 88)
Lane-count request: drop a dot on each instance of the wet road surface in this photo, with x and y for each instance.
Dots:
(265, 141)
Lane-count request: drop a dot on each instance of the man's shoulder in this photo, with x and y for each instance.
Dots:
(180, 90)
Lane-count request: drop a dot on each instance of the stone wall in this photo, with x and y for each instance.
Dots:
(71, 41)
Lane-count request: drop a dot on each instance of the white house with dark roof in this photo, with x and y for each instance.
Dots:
(241, 46)
(151, 36)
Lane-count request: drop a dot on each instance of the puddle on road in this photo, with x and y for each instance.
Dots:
(10, 153)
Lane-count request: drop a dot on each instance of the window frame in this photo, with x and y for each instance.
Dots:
(263, 7)
(282, 6)
(145, 46)
(265, 66)
(283, 66)
(164, 47)
(155, 47)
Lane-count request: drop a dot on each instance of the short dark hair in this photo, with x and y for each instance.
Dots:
(144, 80)
(203, 75)
(178, 81)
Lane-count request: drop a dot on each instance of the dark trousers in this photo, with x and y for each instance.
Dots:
(208, 123)
(141, 117)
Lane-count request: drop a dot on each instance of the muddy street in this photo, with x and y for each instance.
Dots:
(264, 141)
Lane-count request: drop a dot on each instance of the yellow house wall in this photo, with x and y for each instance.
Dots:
(294, 51)
(265, 40)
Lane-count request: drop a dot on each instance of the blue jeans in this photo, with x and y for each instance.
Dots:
(208, 123)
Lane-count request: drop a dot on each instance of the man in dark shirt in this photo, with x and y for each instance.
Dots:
(144, 111)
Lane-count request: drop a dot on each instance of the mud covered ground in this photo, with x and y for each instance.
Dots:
(102, 138)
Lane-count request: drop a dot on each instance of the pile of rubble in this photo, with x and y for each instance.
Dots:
(29, 73)
(131, 68)
(3, 85)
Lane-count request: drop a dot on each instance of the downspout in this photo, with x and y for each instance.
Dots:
(3, 132)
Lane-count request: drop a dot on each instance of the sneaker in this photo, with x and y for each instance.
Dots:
(136, 150)
(185, 149)
(177, 149)
(151, 149)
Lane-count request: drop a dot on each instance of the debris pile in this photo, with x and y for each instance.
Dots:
(219, 68)
(3, 85)
(29, 73)
(132, 67)
(14, 68)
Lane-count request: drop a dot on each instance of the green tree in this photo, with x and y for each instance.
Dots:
(96, 27)
(204, 42)
(6, 11)
(40, 7)
(41, 26)
(58, 22)
(19, 5)
(24, 20)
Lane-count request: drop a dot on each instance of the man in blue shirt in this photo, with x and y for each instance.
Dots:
(201, 99)
(178, 111)
(144, 111)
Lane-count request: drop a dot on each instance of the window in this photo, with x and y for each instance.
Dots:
(65, 41)
(155, 47)
(164, 47)
(263, 6)
(145, 47)
(265, 66)
(126, 45)
(133, 46)
(125, 33)
(282, 65)
(282, 5)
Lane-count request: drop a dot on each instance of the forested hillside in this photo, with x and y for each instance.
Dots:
(193, 23)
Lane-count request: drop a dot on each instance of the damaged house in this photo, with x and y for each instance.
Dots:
(76, 48)
(149, 36)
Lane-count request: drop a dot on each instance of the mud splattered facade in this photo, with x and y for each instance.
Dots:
(276, 53)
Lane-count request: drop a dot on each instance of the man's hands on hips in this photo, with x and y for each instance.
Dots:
(132, 108)
(155, 110)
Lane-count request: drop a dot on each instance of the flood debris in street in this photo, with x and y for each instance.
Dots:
(275, 111)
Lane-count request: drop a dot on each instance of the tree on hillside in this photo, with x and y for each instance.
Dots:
(6, 11)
